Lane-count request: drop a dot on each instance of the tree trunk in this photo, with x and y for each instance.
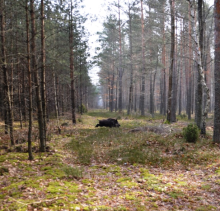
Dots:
(170, 90)
(36, 78)
(72, 68)
(30, 90)
(200, 67)
(8, 103)
(55, 99)
(142, 98)
(216, 134)
(120, 64)
(131, 65)
(199, 90)
(43, 72)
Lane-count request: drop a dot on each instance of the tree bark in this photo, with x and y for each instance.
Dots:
(142, 98)
(36, 78)
(200, 67)
(120, 72)
(7, 95)
(170, 90)
(43, 72)
(30, 90)
(216, 134)
(131, 64)
(199, 90)
(73, 91)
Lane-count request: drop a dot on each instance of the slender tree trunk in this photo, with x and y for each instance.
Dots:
(19, 104)
(199, 90)
(55, 99)
(116, 95)
(120, 63)
(29, 86)
(24, 97)
(200, 67)
(8, 102)
(170, 91)
(216, 134)
(43, 72)
(73, 91)
(36, 78)
(181, 70)
(142, 98)
(131, 64)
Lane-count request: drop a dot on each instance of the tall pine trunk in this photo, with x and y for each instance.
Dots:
(131, 87)
(142, 98)
(216, 134)
(72, 68)
(7, 95)
(36, 79)
(120, 72)
(43, 72)
(170, 116)
(30, 90)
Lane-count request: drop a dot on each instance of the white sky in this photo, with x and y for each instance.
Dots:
(97, 9)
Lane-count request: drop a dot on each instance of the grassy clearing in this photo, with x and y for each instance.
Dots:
(90, 168)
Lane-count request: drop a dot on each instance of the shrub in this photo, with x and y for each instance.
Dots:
(191, 133)
(83, 108)
(183, 116)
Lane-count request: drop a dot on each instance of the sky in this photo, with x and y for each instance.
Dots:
(97, 11)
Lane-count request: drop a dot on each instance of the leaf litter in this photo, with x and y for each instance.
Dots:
(185, 177)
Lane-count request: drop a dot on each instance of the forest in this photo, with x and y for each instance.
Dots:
(146, 136)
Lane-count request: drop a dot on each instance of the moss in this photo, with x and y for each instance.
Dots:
(206, 208)
(218, 171)
(3, 158)
(206, 187)
(56, 173)
(3, 170)
(123, 179)
(126, 181)
(130, 196)
(87, 181)
(113, 169)
(120, 208)
(176, 194)
(62, 188)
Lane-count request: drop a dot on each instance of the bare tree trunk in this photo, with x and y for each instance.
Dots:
(216, 134)
(199, 90)
(24, 97)
(170, 91)
(8, 102)
(19, 104)
(55, 98)
(181, 70)
(189, 69)
(120, 64)
(29, 86)
(72, 69)
(36, 78)
(131, 65)
(43, 72)
(142, 98)
(200, 67)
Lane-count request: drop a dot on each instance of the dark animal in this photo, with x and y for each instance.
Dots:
(108, 123)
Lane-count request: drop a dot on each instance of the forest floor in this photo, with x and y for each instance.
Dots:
(143, 165)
